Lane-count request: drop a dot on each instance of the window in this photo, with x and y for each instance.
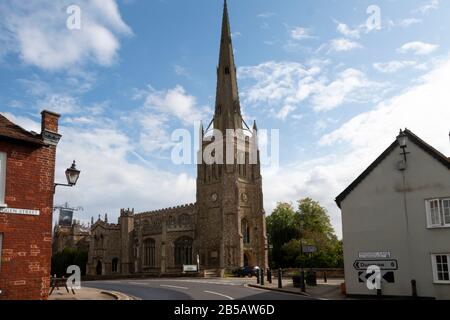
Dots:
(227, 70)
(2, 178)
(149, 253)
(183, 251)
(115, 265)
(245, 229)
(441, 270)
(438, 213)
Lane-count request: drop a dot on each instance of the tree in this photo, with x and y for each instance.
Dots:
(289, 231)
(282, 226)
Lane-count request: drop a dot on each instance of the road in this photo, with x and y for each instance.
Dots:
(191, 289)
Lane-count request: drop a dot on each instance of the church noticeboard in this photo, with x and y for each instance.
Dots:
(26, 212)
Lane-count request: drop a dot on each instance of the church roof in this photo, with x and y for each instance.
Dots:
(11, 131)
(437, 155)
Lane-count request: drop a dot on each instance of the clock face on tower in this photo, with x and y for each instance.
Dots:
(214, 197)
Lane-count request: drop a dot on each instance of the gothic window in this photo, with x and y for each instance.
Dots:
(149, 253)
(115, 265)
(171, 221)
(184, 220)
(227, 70)
(183, 251)
(245, 229)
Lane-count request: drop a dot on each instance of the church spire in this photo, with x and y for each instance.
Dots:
(228, 110)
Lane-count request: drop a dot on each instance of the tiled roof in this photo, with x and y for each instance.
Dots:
(9, 130)
(412, 137)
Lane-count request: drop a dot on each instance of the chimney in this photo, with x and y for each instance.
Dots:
(49, 127)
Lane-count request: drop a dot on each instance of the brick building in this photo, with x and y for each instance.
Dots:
(27, 167)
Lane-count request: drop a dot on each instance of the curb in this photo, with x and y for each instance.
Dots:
(279, 290)
(118, 295)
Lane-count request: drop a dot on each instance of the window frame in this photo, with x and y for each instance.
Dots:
(435, 270)
(441, 214)
(3, 164)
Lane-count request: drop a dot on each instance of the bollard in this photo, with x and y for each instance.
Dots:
(280, 278)
(325, 280)
(262, 277)
(414, 288)
(269, 275)
(257, 277)
(302, 281)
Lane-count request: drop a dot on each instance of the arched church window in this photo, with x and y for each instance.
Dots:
(183, 251)
(149, 253)
(115, 265)
(227, 70)
(245, 231)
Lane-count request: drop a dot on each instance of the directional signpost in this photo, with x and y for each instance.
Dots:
(389, 265)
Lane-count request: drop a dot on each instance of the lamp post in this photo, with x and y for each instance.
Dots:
(72, 175)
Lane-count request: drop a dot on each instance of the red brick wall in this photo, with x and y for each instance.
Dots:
(27, 240)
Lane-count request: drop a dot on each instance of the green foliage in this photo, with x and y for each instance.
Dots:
(290, 230)
(63, 259)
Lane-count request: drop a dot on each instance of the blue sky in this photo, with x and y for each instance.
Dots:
(337, 88)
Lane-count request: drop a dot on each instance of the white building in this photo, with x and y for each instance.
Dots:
(396, 215)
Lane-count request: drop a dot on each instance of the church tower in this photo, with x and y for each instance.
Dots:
(230, 228)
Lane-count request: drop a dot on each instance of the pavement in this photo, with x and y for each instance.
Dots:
(331, 290)
(192, 289)
(88, 294)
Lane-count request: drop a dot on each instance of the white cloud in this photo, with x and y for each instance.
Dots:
(429, 6)
(418, 48)
(175, 102)
(284, 86)
(346, 31)
(349, 85)
(299, 33)
(393, 66)
(266, 15)
(340, 45)
(180, 70)
(38, 32)
(406, 23)
(62, 104)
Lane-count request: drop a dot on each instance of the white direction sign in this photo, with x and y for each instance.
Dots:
(374, 255)
(382, 264)
(20, 211)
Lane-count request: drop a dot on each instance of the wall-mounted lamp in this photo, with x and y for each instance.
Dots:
(72, 175)
(402, 140)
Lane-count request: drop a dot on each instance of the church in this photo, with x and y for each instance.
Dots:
(225, 229)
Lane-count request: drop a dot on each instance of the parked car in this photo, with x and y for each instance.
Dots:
(249, 271)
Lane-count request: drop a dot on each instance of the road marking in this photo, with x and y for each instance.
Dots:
(220, 294)
(175, 287)
(138, 283)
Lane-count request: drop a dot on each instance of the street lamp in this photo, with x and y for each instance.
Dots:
(72, 175)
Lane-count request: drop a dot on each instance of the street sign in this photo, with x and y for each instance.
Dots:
(190, 268)
(309, 249)
(382, 264)
(20, 211)
(375, 255)
(386, 276)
